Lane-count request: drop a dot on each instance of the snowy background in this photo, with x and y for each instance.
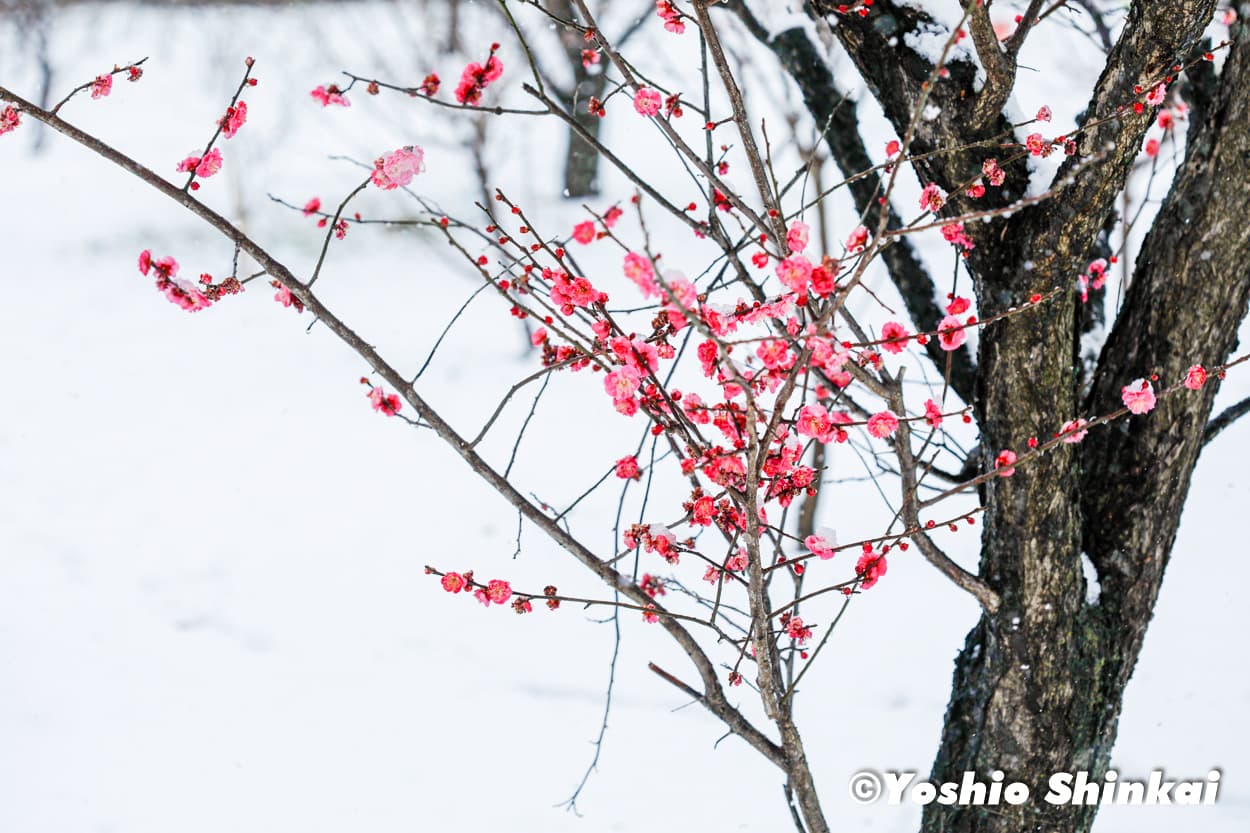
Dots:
(213, 612)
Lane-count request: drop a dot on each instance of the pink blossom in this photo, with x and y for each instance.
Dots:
(1036, 144)
(285, 297)
(397, 168)
(1138, 396)
(622, 383)
(798, 236)
(870, 568)
(1077, 426)
(951, 333)
(1195, 377)
(649, 615)
(639, 270)
(932, 413)
(1004, 462)
(388, 405)
(895, 336)
(892, 147)
(993, 173)
(648, 101)
(672, 18)
(538, 336)
(813, 421)
(102, 86)
(1156, 95)
(1151, 148)
(627, 468)
(209, 165)
(454, 583)
(498, 591)
(235, 117)
(327, 95)
(796, 630)
(932, 198)
(584, 232)
(10, 118)
(312, 206)
(775, 354)
(883, 424)
(858, 239)
(145, 261)
(954, 233)
(1043, 114)
(794, 272)
(958, 305)
(822, 544)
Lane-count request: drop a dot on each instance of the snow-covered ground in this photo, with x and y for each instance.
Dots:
(213, 612)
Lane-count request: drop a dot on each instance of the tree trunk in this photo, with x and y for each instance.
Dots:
(581, 160)
(1038, 688)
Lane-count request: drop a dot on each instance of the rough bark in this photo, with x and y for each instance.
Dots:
(1038, 685)
(1038, 689)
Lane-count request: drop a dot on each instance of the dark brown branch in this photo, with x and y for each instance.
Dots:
(1230, 415)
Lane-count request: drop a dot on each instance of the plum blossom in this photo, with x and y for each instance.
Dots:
(1004, 462)
(857, 240)
(895, 337)
(795, 271)
(672, 18)
(798, 236)
(388, 405)
(954, 233)
(234, 119)
(932, 413)
(325, 95)
(102, 85)
(1195, 377)
(1043, 113)
(498, 591)
(796, 630)
(454, 583)
(870, 568)
(993, 173)
(1138, 396)
(813, 421)
(932, 198)
(951, 333)
(627, 468)
(203, 167)
(10, 118)
(639, 270)
(584, 232)
(1077, 426)
(648, 101)
(312, 206)
(397, 168)
(284, 296)
(622, 383)
(823, 543)
(883, 424)
(1156, 95)
(476, 77)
